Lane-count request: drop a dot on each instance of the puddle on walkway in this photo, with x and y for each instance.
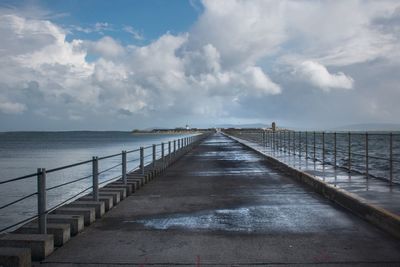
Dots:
(266, 219)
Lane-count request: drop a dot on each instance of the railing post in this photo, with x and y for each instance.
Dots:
(334, 149)
(366, 156)
(169, 150)
(141, 160)
(174, 147)
(42, 200)
(124, 167)
(162, 152)
(294, 143)
(349, 147)
(95, 176)
(391, 158)
(299, 144)
(323, 148)
(154, 155)
(306, 145)
(315, 156)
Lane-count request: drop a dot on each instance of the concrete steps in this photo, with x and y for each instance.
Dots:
(25, 244)
(76, 222)
(60, 231)
(40, 245)
(15, 257)
(99, 206)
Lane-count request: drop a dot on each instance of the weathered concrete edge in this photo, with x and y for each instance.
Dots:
(154, 172)
(378, 216)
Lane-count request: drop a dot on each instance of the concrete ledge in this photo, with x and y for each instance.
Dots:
(40, 245)
(140, 181)
(120, 191)
(378, 216)
(128, 187)
(133, 186)
(98, 206)
(61, 232)
(107, 200)
(115, 196)
(15, 257)
(89, 214)
(138, 176)
(76, 222)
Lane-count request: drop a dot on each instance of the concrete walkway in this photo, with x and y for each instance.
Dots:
(375, 191)
(221, 205)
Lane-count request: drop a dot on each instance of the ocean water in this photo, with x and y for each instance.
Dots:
(21, 153)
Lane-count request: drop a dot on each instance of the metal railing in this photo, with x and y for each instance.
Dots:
(89, 183)
(373, 154)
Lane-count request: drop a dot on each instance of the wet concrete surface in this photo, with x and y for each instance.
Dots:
(222, 205)
(376, 191)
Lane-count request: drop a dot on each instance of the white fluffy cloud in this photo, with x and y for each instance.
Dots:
(236, 51)
(319, 76)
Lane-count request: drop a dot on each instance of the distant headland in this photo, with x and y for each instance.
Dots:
(173, 131)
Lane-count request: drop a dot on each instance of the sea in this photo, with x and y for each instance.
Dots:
(22, 153)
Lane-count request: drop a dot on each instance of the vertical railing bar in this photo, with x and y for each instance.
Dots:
(391, 158)
(169, 150)
(42, 200)
(334, 149)
(162, 153)
(366, 156)
(306, 145)
(314, 148)
(174, 148)
(294, 143)
(349, 152)
(323, 148)
(142, 160)
(299, 144)
(124, 167)
(154, 155)
(95, 178)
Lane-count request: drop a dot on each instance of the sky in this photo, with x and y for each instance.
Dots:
(123, 65)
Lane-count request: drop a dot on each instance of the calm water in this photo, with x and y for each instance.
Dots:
(21, 153)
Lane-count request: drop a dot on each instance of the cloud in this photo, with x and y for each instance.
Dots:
(135, 33)
(11, 107)
(242, 31)
(319, 76)
(234, 62)
(105, 47)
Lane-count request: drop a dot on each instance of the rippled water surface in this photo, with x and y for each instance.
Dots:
(21, 153)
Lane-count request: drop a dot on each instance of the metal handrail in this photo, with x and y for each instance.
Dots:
(70, 182)
(18, 200)
(314, 144)
(110, 168)
(67, 166)
(19, 178)
(161, 149)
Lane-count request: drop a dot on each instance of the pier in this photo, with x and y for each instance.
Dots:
(220, 202)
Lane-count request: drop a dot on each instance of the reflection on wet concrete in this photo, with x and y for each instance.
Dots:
(374, 190)
(254, 219)
(250, 197)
